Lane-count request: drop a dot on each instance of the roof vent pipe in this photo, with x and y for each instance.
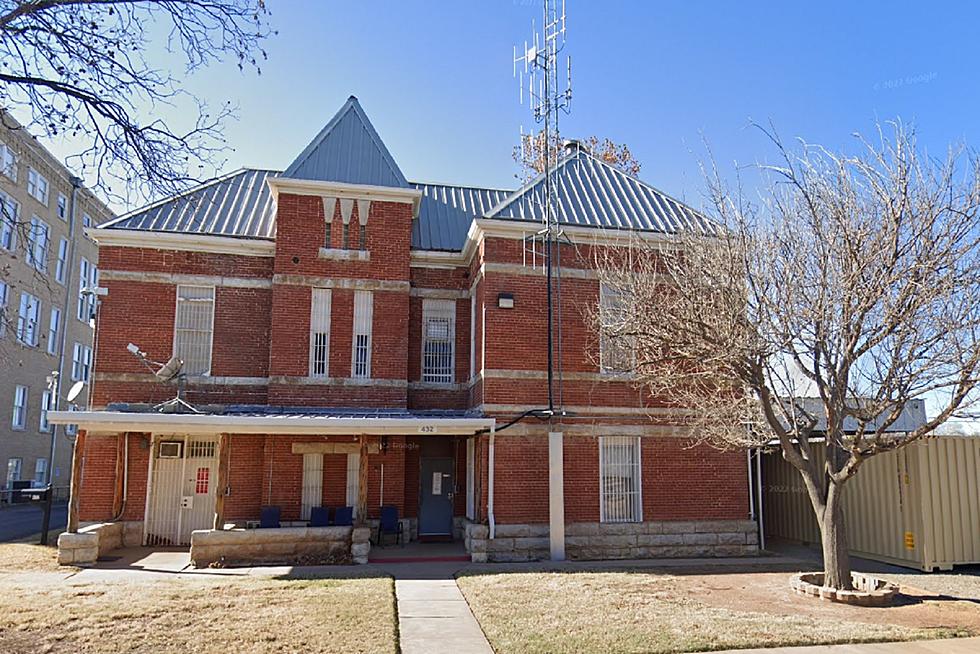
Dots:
(571, 146)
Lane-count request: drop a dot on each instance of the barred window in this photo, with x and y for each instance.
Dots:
(616, 353)
(193, 328)
(438, 340)
(363, 318)
(320, 332)
(620, 498)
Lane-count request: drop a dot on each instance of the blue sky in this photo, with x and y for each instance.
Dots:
(436, 79)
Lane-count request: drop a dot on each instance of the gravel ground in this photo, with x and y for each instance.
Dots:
(962, 582)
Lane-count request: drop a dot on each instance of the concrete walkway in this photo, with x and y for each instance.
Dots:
(433, 618)
(950, 646)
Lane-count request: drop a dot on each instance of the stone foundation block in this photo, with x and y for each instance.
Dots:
(678, 527)
(701, 539)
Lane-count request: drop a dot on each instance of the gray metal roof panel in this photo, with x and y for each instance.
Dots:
(593, 193)
(446, 212)
(349, 150)
(238, 204)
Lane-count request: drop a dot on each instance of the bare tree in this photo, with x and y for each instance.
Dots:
(85, 69)
(530, 154)
(813, 318)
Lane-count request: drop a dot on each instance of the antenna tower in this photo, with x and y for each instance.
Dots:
(540, 64)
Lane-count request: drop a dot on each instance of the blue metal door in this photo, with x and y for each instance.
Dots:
(436, 503)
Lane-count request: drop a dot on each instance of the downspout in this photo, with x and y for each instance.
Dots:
(76, 184)
(493, 429)
(748, 469)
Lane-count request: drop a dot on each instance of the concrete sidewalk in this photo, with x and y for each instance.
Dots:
(949, 646)
(434, 618)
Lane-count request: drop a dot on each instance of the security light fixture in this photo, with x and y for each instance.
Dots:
(505, 300)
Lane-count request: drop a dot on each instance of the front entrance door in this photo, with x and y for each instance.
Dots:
(182, 489)
(436, 505)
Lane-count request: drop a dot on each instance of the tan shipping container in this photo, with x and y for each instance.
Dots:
(918, 507)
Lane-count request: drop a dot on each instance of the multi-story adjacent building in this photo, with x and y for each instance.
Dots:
(353, 339)
(47, 266)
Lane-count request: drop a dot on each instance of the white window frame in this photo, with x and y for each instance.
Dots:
(54, 329)
(616, 505)
(320, 307)
(39, 236)
(312, 490)
(81, 362)
(28, 319)
(37, 186)
(43, 425)
(83, 274)
(609, 347)
(8, 162)
(61, 266)
(9, 213)
(4, 298)
(15, 466)
(40, 471)
(434, 368)
(180, 346)
(18, 417)
(353, 479)
(362, 336)
(86, 222)
(61, 208)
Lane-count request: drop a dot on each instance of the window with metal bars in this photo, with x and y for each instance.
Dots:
(620, 497)
(201, 449)
(438, 340)
(320, 332)
(203, 481)
(194, 327)
(363, 318)
(617, 352)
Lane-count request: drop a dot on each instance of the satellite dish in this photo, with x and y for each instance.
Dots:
(170, 369)
(75, 390)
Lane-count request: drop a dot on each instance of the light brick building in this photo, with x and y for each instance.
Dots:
(355, 339)
(45, 320)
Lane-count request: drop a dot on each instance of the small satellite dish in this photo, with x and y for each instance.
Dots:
(170, 369)
(75, 390)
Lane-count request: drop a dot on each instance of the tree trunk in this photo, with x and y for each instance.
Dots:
(836, 562)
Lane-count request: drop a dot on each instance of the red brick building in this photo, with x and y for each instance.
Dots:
(351, 338)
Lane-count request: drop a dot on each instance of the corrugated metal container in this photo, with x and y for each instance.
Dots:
(918, 507)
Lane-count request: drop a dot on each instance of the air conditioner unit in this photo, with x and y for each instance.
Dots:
(170, 449)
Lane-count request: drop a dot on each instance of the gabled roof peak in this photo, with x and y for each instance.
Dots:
(348, 149)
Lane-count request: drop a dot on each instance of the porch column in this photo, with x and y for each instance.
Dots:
(362, 482)
(76, 478)
(118, 490)
(221, 485)
(556, 494)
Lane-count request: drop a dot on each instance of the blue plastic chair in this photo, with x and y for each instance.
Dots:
(344, 516)
(269, 517)
(390, 524)
(320, 516)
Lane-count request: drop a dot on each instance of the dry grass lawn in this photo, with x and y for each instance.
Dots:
(645, 612)
(24, 557)
(241, 615)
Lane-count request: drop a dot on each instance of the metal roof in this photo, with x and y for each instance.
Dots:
(592, 193)
(237, 204)
(447, 211)
(349, 150)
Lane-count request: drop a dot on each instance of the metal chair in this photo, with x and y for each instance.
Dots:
(390, 524)
(344, 516)
(269, 517)
(320, 516)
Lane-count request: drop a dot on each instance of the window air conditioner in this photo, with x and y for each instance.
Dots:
(170, 449)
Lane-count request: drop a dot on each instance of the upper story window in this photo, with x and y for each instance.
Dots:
(363, 319)
(438, 340)
(620, 496)
(61, 266)
(194, 328)
(19, 418)
(43, 425)
(86, 221)
(9, 210)
(81, 362)
(4, 297)
(54, 328)
(88, 281)
(37, 244)
(28, 319)
(351, 232)
(320, 332)
(37, 186)
(8, 162)
(62, 207)
(616, 352)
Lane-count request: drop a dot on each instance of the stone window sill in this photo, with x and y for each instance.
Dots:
(338, 254)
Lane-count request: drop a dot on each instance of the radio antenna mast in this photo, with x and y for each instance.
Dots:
(548, 100)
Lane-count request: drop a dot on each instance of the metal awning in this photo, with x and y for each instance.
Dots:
(319, 424)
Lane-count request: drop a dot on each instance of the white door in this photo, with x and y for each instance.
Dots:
(182, 489)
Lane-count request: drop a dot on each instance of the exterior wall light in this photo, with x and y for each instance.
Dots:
(505, 300)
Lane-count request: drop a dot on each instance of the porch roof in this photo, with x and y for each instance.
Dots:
(273, 421)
